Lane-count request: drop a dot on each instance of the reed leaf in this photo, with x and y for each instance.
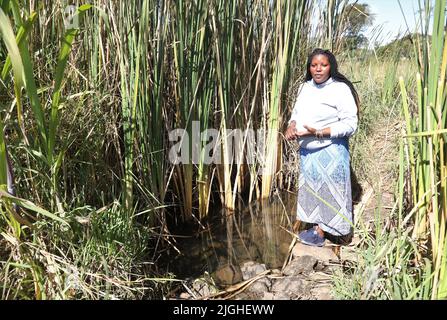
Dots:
(31, 206)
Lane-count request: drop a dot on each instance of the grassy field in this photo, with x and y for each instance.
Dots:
(91, 94)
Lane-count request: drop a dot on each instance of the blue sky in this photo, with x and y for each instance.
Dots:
(389, 18)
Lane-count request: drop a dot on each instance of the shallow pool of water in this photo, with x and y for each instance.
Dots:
(257, 232)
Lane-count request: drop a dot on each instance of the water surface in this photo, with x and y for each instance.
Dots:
(259, 232)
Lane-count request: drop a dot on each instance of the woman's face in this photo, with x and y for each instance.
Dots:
(320, 68)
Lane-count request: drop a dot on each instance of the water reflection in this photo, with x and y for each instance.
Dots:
(259, 232)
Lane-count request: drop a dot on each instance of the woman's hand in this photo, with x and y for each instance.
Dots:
(292, 132)
(325, 132)
(311, 130)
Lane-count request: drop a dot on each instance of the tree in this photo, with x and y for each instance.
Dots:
(344, 23)
(358, 18)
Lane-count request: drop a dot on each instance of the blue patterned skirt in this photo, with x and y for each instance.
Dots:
(324, 194)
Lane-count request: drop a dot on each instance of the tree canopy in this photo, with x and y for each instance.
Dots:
(358, 18)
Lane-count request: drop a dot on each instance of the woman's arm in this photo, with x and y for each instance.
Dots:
(322, 133)
(293, 133)
(347, 114)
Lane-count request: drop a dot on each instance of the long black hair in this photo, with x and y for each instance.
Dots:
(335, 74)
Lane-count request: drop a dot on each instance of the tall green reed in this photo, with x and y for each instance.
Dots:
(287, 17)
(426, 145)
(335, 19)
(194, 81)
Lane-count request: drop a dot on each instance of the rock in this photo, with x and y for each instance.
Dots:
(330, 269)
(228, 275)
(251, 269)
(259, 287)
(320, 266)
(184, 295)
(276, 272)
(319, 277)
(292, 287)
(281, 296)
(268, 296)
(304, 264)
(247, 295)
(320, 253)
(203, 288)
(322, 293)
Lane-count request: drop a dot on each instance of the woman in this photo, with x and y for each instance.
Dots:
(325, 115)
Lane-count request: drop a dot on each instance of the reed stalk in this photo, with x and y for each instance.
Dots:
(287, 17)
(428, 164)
